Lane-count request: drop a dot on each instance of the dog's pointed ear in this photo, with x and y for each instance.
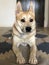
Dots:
(18, 7)
(31, 8)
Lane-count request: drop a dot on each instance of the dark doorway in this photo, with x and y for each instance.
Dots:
(39, 10)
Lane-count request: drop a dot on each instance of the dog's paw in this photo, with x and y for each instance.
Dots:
(20, 60)
(33, 61)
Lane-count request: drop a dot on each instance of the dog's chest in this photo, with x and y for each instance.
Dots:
(24, 41)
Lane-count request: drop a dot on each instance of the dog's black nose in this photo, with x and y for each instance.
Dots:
(28, 29)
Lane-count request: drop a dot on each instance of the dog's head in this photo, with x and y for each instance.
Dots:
(25, 20)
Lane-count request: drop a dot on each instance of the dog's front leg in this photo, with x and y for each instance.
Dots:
(33, 59)
(20, 58)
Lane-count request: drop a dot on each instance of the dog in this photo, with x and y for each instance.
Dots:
(24, 31)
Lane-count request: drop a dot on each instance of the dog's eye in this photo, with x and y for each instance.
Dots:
(22, 20)
(31, 20)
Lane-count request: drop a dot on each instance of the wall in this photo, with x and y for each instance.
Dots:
(46, 21)
(48, 16)
(7, 12)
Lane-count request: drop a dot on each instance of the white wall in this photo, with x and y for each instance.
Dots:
(48, 15)
(46, 21)
(7, 12)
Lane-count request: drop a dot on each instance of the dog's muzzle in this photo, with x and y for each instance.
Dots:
(28, 29)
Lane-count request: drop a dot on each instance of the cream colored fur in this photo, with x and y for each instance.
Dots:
(20, 36)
